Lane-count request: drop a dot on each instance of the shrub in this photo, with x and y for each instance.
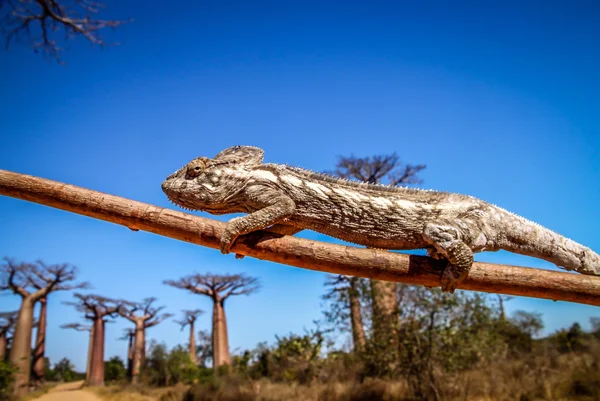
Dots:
(115, 370)
(7, 377)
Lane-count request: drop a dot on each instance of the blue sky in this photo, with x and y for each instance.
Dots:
(499, 100)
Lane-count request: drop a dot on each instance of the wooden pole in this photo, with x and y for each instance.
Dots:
(313, 255)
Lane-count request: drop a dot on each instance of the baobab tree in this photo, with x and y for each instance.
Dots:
(218, 288)
(7, 325)
(38, 370)
(189, 318)
(40, 343)
(143, 315)
(129, 336)
(31, 282)
(47, 18)
(344, 297)
(376, 170)
(83, 327)
(96, 309)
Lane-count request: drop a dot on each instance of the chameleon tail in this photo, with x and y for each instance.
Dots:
(528, 238)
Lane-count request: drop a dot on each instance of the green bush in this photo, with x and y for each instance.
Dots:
(115, 370)
(165, 368)
(7, 377)
(65, 371)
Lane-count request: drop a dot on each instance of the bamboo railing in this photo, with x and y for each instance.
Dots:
(313, 255)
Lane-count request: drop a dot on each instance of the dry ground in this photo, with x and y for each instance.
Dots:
(68, 392)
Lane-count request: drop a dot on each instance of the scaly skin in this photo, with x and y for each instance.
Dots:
(449, 226)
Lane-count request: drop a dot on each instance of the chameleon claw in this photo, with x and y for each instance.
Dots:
(225, 245)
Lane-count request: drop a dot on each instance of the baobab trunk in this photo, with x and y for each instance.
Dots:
(220, 341)
(40, 343)
(130, 351)
(20, 352)
(97, 367)
(384, 307)
(88, 368)
(138, 353)
(385, 319)
(501, 305)
(358, 329)
(3, 346)
(193, 356)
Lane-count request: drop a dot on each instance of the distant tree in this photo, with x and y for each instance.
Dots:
(129, 336)
(143, 315)
(90, 329)
(441, 333)
(189, 319)
(180, 368)
(571, 340)
(595, 322)
(204, 350)
(519, 331)
(501, 300)
(378, 170)
(344, 303)
(40, 343)
(41, 21)
(114, 370)
(32, 282)
(96, 308)
(294, 356)
(7, 325)
(218, 288)
(65, 371)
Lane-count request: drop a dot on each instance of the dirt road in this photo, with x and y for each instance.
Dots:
(68, 392)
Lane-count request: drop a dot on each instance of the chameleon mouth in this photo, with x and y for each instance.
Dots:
(182, 206)
(176, 197)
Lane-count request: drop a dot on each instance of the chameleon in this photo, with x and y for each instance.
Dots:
(449, 226)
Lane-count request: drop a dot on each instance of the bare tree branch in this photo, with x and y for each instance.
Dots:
(127, 334)
(8, 321)
(40, 277)
(14, 278)
(216, 285)
(189, 317)
(76, 326)
(40, 21)
(150, 315)
(159, 319)
(377, 168)
(94, 306)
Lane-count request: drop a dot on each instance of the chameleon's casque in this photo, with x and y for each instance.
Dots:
(450, 226)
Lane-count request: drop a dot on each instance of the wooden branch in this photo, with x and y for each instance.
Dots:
(313, 255)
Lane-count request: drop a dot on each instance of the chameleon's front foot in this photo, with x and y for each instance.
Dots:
(226, 247)
(227, 239)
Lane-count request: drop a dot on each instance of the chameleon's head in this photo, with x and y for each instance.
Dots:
(209, 184)
(196, 186)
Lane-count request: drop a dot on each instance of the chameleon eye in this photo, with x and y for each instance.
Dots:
(193, 171)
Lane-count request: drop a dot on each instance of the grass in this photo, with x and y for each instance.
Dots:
(139, 393)
(542, 376)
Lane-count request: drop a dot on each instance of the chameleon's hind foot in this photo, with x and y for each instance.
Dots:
(452, 277)
(446, 242)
